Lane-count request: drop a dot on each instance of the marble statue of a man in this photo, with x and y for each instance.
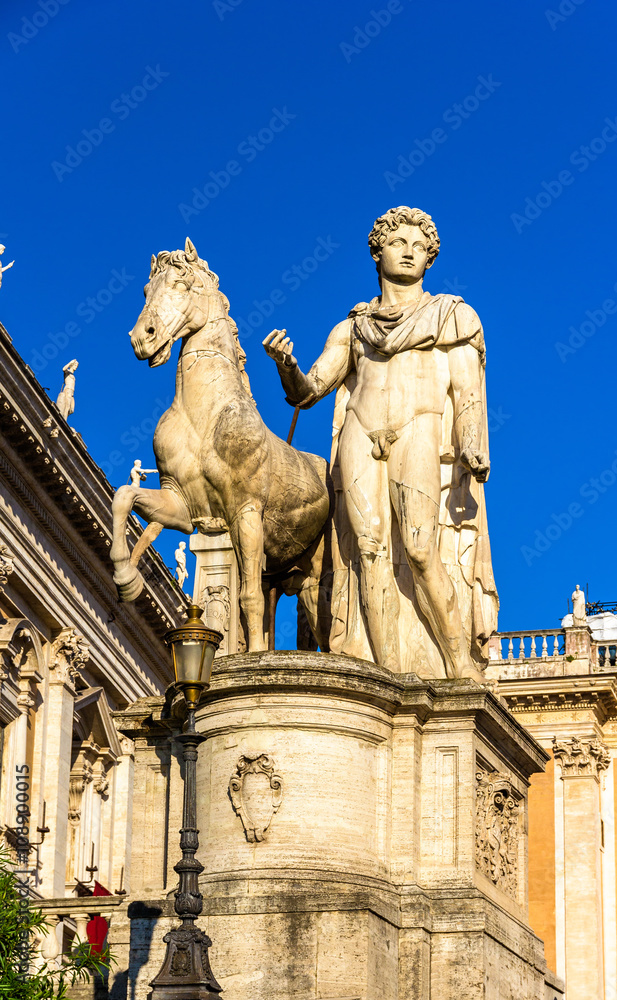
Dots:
(579, 614)
(413, 586)
(181, 570)
(137, 475)
(6, 266)
(66, 397)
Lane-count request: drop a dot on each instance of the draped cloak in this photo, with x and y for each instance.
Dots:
(462, 534)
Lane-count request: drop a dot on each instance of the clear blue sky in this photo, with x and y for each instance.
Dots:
(119, 122)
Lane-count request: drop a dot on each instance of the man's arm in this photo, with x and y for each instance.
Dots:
(466, 380)
(328, 372)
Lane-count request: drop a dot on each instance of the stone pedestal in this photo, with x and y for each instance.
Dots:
(363, 836)
(217, 566)
(577, 649)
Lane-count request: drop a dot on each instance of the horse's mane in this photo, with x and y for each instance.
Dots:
(188, 260)
(184, 262)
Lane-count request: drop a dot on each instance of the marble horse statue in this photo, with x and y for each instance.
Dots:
(220, 467)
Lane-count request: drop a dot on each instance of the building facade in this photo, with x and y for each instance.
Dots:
(561, 684)
(70, 655)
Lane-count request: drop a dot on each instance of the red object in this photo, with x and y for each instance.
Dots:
(97, 928)
(100, 890)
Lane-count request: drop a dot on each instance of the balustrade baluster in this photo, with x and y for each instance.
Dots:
(521, 649)
(532, 653)
(544, 647)
(511, 649)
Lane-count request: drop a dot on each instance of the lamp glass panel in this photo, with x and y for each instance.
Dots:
(208, 661)
(188, 660)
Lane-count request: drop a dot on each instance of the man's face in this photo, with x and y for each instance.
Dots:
(404, 256)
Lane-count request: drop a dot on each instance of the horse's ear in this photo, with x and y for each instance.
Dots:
(190, 252)
(152, 265)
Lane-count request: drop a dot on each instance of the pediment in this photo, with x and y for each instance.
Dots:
(93, 720)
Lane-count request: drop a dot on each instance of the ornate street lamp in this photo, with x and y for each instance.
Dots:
(186, 971)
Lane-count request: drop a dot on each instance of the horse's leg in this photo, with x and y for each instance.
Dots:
(313, 588)
(247, 537)
(162, 509)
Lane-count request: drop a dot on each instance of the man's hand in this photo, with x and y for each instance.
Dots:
(477, 463)
(279, 347)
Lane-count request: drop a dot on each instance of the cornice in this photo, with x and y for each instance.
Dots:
(47, 468)
(594, 692)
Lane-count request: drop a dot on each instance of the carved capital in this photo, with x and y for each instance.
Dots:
(580, 757)
(127, 747)
(69, 652)
(255, 805)
(26, 701)
(7, 564)
(497, 828)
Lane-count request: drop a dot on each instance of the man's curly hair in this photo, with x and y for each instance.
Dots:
(396, 217)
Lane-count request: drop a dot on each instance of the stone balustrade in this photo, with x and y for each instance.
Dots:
(67, 920)
(529, 645)
(548, 653)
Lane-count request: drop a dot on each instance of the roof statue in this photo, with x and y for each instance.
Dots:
(66, 397)
(137, 475)
(182, 572)
(6, 266)
(579, 613)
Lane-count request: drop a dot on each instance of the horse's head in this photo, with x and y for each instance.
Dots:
(179, 301)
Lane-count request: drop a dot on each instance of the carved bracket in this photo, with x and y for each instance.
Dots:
(7, 564)
(257, 807)
(581, 757)
(497, 828)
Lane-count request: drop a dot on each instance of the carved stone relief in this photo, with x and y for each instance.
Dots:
(217, 607)
(581, 757)
(7, 564)
(497, 828)
(256, 793)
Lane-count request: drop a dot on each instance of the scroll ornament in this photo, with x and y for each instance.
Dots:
(255, 764)
(497, 829)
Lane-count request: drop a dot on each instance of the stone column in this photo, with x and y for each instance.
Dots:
(582, 761)
(68, 652)
(123, 816)
(100, 786)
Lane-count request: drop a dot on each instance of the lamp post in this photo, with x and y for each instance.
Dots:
(186, 971)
